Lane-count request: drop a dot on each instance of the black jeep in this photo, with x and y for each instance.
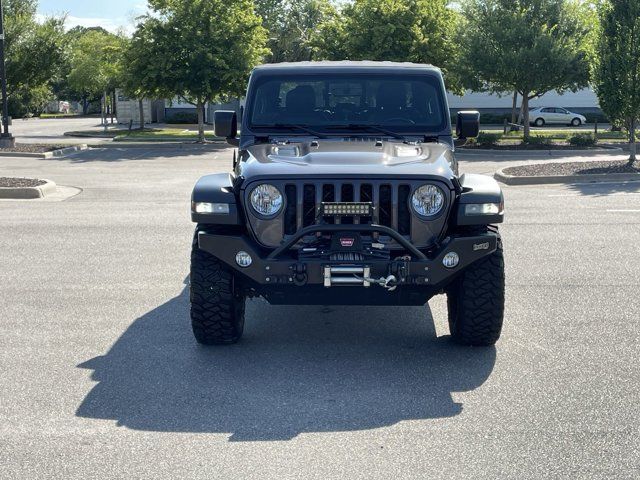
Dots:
(345, 191)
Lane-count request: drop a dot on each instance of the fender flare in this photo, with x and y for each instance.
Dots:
(216, 188)
(479, 189)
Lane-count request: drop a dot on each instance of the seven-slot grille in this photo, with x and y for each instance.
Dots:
(390, 204)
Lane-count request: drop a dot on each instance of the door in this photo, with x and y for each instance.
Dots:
(562, 115)
(547, 114)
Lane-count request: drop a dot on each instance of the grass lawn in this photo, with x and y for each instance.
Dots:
(163, 134)
(556, 136)
(564, 134)
(58, 115)
(187, 133)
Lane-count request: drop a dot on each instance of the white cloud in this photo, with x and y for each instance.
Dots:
(125, 21)
(113, 25)
(110, 24)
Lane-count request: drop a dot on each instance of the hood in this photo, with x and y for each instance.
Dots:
(347, 157)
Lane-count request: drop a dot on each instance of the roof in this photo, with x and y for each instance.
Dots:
(345, 64)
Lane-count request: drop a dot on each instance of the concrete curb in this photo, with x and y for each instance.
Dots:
(28, 192)
(550, 153)
(66, 151)
(597, 177)
(61, 152)
(89, 135)
(166, 144)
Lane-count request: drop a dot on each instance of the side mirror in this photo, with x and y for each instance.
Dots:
(225, 124)
(467, 124)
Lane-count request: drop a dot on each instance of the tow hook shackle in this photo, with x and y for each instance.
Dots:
(390, 283)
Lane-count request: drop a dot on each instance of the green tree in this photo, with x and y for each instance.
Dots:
(526, 46)
(617, 65)
(292, 25)
(203, 49)
(140, 76)
(395, 30)
(96, 65)
(327, 41)
(34, 52)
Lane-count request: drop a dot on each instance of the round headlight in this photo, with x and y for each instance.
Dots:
(266, 199)
(427, 200)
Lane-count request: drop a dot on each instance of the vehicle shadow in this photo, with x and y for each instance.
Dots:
(298, 369)
(602, 189)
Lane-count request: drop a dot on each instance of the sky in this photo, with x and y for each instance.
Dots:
(109, 14)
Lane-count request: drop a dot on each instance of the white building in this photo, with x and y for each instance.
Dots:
(128, 109)
(181, 110)
(582, 101)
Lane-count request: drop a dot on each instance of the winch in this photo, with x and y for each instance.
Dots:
(356, 275)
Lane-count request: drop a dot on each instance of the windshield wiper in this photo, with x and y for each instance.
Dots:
(303, 127)
(366, 126)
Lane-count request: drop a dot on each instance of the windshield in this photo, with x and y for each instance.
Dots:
(412, 104)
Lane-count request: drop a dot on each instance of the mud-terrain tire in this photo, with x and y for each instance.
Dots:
(217, 308)
(476, 301)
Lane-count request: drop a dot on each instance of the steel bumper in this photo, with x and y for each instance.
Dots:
(284, 269)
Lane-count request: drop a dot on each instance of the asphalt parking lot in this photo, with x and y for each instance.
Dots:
(51, 130)
(101, 377)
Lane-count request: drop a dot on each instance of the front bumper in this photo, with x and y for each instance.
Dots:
(284, 279)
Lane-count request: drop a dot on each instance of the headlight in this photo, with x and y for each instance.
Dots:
(427, 200)
(266, 199)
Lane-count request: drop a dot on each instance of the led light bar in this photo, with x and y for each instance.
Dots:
(338, 209)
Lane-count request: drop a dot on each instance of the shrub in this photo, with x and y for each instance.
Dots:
(582, 140)
(486, 139)
(183, 117)
(596, 117)
(495, 118)
(538, 140)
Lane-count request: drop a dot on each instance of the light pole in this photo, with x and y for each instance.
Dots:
(6, 139)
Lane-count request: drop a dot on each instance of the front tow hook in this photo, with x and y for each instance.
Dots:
(390, 283)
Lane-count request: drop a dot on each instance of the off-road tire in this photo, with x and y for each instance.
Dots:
(539, 122)
(576, 122)
(217, 308)
(476, 301)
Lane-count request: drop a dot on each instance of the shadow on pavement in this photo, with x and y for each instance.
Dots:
(601, 189)
(298, 369)
(124, 153)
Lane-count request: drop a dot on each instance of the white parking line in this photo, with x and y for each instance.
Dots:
(613, 194)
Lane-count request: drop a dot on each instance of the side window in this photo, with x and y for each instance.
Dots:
(423, 103)
(547, 110)
(268, 103)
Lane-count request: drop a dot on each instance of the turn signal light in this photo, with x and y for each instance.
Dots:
(205, 207)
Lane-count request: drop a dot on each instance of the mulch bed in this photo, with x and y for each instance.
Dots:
(574, 168)
(12, 182)
(32, 148)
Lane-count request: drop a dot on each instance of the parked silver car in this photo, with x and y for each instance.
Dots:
(540, 116)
